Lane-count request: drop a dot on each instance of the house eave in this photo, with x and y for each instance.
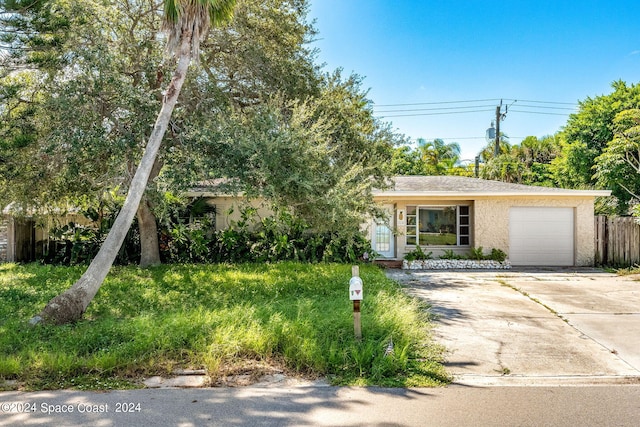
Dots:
(473, 195)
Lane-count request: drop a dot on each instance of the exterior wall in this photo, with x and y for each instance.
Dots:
(400, 225)
(492, 222)
(228, 210)
(489, 220)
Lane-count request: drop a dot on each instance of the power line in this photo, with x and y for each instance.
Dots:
(474, 100)
(540, 112)
(546, 107)
(435, 109)
(433, 114)
(549, 102)
(437, 103)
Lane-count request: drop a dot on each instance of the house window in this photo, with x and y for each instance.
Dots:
(438, 225)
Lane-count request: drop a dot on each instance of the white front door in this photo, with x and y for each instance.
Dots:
(382, 238)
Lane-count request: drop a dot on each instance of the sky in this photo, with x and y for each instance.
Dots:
(438, 69)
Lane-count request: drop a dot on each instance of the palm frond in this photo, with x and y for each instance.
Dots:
(193, 18)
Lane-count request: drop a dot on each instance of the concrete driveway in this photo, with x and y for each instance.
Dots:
(533, 326)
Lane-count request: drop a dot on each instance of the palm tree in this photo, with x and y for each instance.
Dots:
(185, 22)
(438, 154)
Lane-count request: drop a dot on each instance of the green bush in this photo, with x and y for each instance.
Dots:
(495, 255)
(450, 254)
(498, 255)
(418, 254)
(186, 235)
(477, 253)
(275, 239)
(73, 244)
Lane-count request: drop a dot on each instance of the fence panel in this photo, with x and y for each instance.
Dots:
(617, 241)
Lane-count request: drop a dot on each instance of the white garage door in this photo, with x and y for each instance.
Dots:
(541, 236)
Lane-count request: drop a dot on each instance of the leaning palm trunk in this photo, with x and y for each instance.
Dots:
(71, 304)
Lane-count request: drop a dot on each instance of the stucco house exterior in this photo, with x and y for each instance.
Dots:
(532, 225)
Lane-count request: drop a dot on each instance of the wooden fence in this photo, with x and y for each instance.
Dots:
(617, 241)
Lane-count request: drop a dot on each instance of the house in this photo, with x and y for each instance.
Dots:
(533, 225)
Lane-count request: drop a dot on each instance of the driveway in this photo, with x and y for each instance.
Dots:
(533, 326)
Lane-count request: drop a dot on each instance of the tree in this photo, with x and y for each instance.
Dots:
(118, 72)
(527, 163)
(185, 23)
(618, 167)
(438, 156)
(506, 167)
(428, 158)
(89, 130)
(407, 161)
(318, 158)
(588, 132)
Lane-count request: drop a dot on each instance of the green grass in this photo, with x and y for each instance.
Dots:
(218, 318)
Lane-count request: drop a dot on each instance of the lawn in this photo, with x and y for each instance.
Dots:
(220, 318)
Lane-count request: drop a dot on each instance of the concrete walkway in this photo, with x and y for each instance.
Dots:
(534, 326)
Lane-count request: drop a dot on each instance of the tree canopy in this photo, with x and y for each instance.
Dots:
(102, 84)
(588, 132)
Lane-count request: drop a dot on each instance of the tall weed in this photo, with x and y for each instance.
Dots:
(151, 321)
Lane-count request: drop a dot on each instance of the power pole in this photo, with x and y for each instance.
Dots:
(496, 151)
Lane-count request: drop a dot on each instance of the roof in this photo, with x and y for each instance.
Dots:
(408, 186)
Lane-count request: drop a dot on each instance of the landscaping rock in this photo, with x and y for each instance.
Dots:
(455, 264)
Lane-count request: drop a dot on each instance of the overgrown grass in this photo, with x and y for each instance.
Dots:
(152, 321)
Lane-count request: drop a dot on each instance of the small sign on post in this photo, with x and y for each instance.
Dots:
(355, 295)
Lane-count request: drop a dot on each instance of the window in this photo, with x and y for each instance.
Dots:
(438, 225)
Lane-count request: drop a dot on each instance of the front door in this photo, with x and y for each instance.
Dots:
(382, 238)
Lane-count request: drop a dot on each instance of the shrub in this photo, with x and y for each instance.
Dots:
(477, 253)
(73, 244)
(495, 255)
(418, 254)
(450, 254)
(281, 237)
(187, 235)
(498, 255)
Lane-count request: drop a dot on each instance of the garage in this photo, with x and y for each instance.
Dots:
(541, 236)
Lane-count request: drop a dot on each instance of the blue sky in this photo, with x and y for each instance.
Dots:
(433, 53)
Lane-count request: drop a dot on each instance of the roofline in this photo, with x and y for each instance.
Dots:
(457, 194)
(472, 194)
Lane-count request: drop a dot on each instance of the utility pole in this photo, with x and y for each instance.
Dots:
(493, 133)
(496, 151)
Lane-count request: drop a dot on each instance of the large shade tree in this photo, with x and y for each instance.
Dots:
(90, 131)
(318, 157)
(186, 21)
(588, 132)
(618, 167)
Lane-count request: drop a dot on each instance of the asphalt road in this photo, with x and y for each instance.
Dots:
(328, 406)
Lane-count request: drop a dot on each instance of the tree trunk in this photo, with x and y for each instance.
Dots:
(71, 304)
(148, 226)
(149, 244)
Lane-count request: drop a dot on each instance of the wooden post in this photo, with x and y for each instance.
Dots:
(355, 294)
(357, 326)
